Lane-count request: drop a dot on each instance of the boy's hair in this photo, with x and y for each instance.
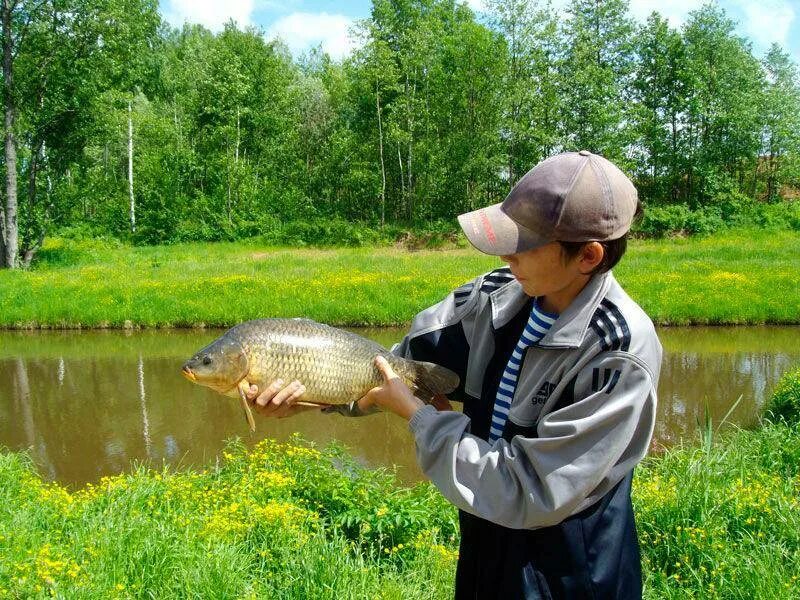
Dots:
(612, 249)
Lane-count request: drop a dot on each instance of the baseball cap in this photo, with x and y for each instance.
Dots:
(569, 197)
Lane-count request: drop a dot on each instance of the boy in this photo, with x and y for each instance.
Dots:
(559, 370)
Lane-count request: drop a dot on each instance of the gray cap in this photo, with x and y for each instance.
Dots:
(570, 197)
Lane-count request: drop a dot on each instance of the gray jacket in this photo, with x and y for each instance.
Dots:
(586, 396)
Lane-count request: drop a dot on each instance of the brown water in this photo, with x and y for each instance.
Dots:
(87, 404)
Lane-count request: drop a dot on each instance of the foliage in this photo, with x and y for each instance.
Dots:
(725, 213)
(785, 402)
(294, 521)
(438, 111)
(722, 521)
(281, 521)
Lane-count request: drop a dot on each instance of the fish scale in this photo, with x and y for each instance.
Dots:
(335, 366)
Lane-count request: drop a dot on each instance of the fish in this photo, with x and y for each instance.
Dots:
(335, 366)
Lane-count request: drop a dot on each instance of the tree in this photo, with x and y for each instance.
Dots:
(659, 93)
(780, 138)
(595, 77)
(529, 87)
(66, 52)
(13, 21)
(724, 93)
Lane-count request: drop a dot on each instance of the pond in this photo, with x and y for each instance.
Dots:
(89, 403)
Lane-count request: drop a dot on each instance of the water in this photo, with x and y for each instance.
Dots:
(88, 404)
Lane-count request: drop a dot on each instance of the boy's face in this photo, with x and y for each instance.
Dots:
(545, 271)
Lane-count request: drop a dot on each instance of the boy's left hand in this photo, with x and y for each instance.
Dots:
(393, 395)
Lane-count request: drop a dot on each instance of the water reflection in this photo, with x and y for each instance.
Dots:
(89, 403)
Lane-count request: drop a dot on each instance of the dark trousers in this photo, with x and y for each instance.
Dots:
(593, 555)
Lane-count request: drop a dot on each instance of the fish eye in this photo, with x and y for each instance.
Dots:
(206, 360)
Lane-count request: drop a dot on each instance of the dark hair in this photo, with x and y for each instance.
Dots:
(612, 249)
(612, 252)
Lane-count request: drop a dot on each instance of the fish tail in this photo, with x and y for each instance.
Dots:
(431, 379)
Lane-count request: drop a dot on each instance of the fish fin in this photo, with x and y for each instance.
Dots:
(248, 413)
(431, 379)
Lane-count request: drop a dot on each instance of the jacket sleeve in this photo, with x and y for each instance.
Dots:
(439, 334)
(580, 451)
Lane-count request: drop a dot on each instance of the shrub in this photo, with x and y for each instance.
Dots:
(728, 210)
(785, 402)
(706, 220)
(659, 221)
(80, 248)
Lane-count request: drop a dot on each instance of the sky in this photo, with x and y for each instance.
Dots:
(302, 24)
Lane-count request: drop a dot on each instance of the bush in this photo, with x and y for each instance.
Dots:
(321, 232)
(727, 210)
(785, 402)
(67, 251)
(659, 221)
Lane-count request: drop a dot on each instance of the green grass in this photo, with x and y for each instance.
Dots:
(723, 521)
(280, 521)
(289, 521)
(739, 277)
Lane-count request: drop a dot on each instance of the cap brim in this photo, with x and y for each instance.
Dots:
(492, 231)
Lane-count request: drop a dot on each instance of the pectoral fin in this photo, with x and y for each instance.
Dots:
(248, 413)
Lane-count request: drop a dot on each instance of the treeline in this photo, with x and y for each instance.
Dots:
(117, 123)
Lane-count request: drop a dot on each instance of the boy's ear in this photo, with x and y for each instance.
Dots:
(591, 256)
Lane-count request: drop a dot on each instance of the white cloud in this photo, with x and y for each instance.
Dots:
(767, 21)
(674, 11)
(301, 31)
(209, 13)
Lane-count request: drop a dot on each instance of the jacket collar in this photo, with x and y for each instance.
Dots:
(571, 325)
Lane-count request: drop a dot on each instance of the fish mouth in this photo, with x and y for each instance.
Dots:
(188, 373)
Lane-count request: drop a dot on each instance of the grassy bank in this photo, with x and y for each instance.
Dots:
(290, 521)
(736, 278)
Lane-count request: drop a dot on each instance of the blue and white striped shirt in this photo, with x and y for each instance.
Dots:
(536, 328)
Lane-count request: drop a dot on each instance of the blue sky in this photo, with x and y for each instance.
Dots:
(305, 23)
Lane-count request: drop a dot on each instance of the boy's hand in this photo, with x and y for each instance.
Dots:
(393, 395)
(278, 400)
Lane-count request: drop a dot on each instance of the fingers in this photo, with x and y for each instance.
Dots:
(385, 368)
(264, 398)
(289, 394)
(277, 400)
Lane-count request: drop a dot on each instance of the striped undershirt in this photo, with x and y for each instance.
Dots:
(538, 324)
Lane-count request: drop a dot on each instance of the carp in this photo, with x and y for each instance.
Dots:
(335, 366)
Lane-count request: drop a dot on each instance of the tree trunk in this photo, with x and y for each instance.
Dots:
(28, 245)
(236, 155)
(380, 145)
(410, 121)
(674, 158)
(402, 181)
(10, 232)
(130, 167)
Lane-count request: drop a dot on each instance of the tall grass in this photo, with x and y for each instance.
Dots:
(723, 521)
(281, 521)
(736, 277)
(292, 521)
